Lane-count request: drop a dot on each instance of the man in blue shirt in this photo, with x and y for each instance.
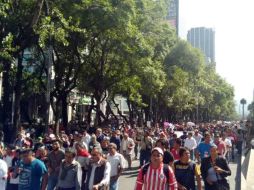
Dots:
(32, 172)
(203, 149)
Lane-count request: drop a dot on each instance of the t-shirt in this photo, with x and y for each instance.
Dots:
(30, 177)
(185, 174)
(116, 161)
(175, 153)
(204, 149)
(155, 179)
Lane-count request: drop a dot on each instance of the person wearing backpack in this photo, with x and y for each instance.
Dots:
(186, 171)
(156, 175)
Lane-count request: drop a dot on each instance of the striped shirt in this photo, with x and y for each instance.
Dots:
(155, 179)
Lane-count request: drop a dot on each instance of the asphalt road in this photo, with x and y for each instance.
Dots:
(128, 178)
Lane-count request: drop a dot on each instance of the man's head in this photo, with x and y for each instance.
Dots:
(55, 145)
(69, 156)
(189, 135)
(184, 154)
(125, 136)
(112, 148)
(96, 154)
(105, 142)
(157, 156)
(27, 156)
(207, 137)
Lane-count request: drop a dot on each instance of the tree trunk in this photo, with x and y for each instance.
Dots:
(18, 89)
(90, 109)
(119, 111)
(131, 115)
(6, 101)
(97, 121)
(57, 116)
(65, 112)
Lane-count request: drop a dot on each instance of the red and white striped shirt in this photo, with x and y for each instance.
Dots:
(155, 179)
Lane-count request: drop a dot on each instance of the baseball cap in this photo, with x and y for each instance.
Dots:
(159, 150)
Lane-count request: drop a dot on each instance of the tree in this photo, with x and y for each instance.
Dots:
(18, 19)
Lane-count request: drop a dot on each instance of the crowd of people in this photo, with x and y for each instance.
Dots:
(181, 157)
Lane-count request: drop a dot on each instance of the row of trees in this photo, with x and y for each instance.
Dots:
(105, 48)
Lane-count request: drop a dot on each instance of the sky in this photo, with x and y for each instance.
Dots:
(233, 22)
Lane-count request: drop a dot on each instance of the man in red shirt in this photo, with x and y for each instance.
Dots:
(156, 175)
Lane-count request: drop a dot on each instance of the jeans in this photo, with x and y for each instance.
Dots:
(52, 182)
(113, 184)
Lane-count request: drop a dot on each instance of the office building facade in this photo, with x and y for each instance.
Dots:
(204, 39)
(173, 14)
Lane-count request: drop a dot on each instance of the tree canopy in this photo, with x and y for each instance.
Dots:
(104, 49)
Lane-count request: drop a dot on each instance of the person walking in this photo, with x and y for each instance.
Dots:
(191, 144)
(187, 172)
(146, 146)
(70, 173)
(127, 148)
(214, 170)
(203, 149)
(156, 175)
(98, 175)
(55, 158)
(117, 163)
(32, 172)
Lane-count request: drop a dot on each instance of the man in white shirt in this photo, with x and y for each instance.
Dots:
(98, 175)
(86, 138)
(228, 143)
(197, 136)
(191, 144)
(117, 163)
(127, 148)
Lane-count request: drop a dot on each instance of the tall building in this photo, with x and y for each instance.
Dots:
(173, 14)
(204, 39)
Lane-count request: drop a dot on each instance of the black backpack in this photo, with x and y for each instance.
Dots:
(165, 170)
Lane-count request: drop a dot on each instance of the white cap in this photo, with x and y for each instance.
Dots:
(159, 150)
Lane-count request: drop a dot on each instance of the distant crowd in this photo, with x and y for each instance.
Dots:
(174, 157)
